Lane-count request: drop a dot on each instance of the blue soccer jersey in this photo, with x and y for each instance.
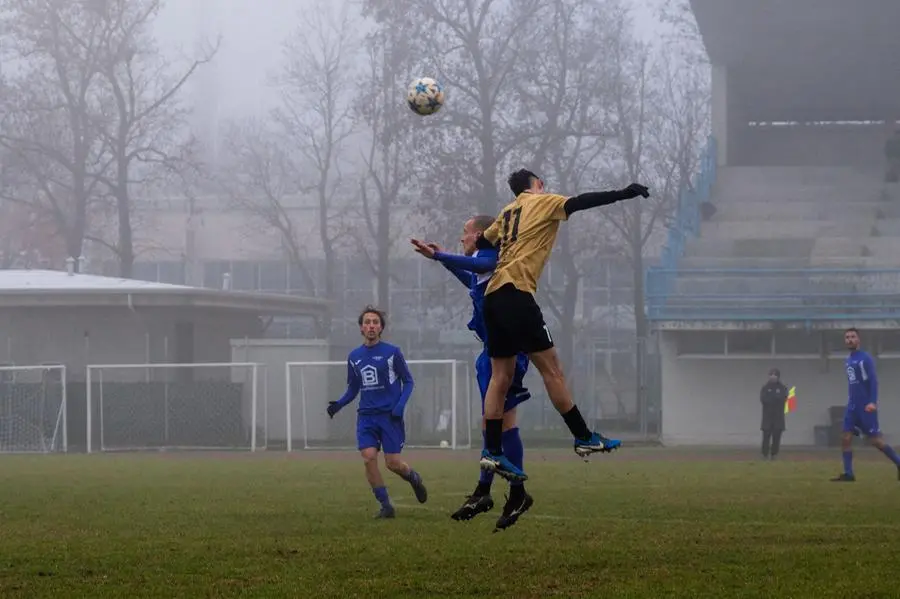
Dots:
(474, 272)
(380, 376)
(862, 390)
(862, 382)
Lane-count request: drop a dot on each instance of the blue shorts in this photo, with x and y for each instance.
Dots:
(381, 431)
(517, 392)
(858, 418)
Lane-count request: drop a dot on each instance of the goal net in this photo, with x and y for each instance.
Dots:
(33, 409)
(439, 413)
(214, 406)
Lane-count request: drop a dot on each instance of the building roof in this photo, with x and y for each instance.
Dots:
(49, 288)
(806, 60)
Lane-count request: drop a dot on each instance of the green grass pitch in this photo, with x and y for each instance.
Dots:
(642, 523)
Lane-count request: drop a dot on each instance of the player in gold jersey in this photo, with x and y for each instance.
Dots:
(526, 231)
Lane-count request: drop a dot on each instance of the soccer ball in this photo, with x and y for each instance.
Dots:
(425, 96)
(444, 445)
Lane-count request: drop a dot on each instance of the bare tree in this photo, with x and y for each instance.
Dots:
(143, 126)
(661, 103)
(317, 87)
(477, 50)
(683, 31)
(51, 109)
(298, 153)
(92, 113)
(389, 159)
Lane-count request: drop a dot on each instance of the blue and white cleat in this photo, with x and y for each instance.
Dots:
(596, 444)
(501, 466)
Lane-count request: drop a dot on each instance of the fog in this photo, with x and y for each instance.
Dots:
(216, 145)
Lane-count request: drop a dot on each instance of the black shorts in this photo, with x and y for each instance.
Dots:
(514, 323)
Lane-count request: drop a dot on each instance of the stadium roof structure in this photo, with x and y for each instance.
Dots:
(806, 60)
(50, 288)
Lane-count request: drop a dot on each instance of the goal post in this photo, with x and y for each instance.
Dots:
(33, 409)
(439, 413)
(197, 406)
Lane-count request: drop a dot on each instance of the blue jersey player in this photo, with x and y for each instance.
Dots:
(473, 269)
(862, 406)
(378, 373)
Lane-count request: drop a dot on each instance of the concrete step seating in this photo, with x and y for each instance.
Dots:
(793, 218)
(790, 229)
(799, 210)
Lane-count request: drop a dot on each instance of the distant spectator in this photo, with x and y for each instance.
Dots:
(892, 154)
(772, 397)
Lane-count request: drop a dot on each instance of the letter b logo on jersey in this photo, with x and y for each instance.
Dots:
(369, 375)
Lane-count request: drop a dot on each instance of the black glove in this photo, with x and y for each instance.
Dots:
(333, 408)
(634, 190)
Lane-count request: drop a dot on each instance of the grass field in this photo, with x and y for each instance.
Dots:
(643, 523)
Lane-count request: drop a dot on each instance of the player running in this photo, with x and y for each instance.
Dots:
(378, 373)
(525, 231)
(862, 406)
(474, 269)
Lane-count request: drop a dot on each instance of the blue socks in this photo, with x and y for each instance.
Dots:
(513, 450)
(381, 495)
(412, 477)
(848, 462)
(891, 454)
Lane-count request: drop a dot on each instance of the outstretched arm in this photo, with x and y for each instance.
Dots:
(407, 382)
(465, 277)
(594, 199)
(472, 264)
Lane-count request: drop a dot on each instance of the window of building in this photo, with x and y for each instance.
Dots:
(750, 342)
(273, 276)
(797, 343)
(700, 343)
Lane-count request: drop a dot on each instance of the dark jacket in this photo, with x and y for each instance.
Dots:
(772, 397)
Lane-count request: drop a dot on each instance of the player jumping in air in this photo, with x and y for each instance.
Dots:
(378, 373)
(526, 231)
(474, 270)
(862, 406)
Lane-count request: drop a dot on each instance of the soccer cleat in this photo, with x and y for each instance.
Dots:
(844, 478)
(419, 488)
(596, 444)
(512, 510)
(472, 506)
(500, 465)
(386, 512)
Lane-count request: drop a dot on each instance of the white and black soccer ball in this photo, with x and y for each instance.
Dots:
(425, 96)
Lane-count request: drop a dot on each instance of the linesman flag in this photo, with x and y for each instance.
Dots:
(790, 404)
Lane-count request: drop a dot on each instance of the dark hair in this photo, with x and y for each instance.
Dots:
(520, 180)
(851, 330)
(482, 222)
(775, 372)
(372, 310)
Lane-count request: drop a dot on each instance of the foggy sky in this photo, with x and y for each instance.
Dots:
(251, 48)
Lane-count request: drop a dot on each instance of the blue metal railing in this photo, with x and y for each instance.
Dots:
(687, 222)
(774, 294)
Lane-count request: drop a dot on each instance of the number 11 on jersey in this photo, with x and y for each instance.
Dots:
(515, 215)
